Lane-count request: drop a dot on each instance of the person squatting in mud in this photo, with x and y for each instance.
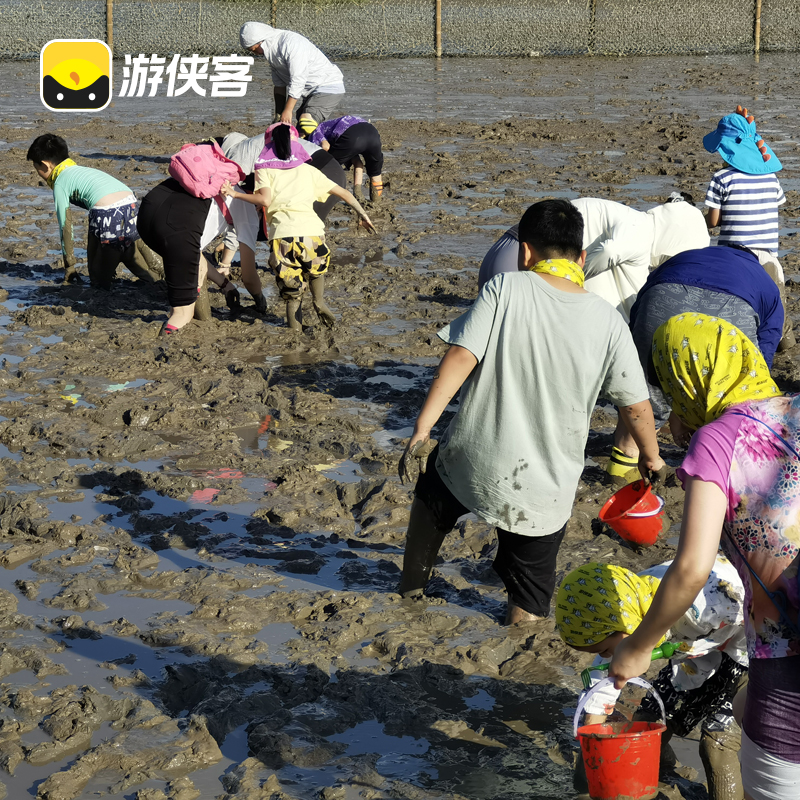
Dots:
(742, 492)
(286, 187)
(246, 229)
(305, 82)
(354, 141)
(178, 226)
(599, 605)
(112, 236)
(531, 357)
(726, 282)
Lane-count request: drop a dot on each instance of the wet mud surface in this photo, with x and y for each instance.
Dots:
(200, 538)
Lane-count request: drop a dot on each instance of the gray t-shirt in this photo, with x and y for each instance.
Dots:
(514, 452)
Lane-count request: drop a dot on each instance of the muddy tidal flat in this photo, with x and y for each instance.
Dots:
(201, 537)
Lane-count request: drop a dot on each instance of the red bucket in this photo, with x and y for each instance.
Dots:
(635, 513)
(622, 759)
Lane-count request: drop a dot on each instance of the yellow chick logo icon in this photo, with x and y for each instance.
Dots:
(75, 75)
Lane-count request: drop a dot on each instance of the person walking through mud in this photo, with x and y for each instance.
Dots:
(305, 82)
(621, 245)
(246, 230)
(287, 187)
(725, 282)
(354, 141)
(178, 226)
(112, 237)
(743, 198)
(742, 485)
(599, 605)
(532, 355)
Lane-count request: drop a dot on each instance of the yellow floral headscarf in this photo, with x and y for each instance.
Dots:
(597, 600)
(560, 268)
(58, 169)
(705, 364)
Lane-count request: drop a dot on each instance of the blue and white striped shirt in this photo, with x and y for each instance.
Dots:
(748, 207)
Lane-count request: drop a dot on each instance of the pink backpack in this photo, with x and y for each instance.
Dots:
(202, 169)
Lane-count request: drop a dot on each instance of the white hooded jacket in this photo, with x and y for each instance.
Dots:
(296, 63)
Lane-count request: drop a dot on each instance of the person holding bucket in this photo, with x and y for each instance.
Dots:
(742, 482)
(600, 605)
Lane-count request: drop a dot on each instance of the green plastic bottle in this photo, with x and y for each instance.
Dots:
(666, 650)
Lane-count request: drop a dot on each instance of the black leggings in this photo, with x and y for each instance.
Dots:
(171, 222)
(331, 169)
(361, 139)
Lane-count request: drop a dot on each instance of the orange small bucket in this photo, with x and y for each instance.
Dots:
(635, 513)
(621, 758)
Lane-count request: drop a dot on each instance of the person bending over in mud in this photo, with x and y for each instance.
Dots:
(304, 81)
(725, 282)
(599, 605)
(530, 357)
(246, 229)
(178, 225)
(287, 187)
(621, 245)
(112, 206)
(352, 140)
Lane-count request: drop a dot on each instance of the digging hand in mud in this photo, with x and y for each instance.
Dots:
(418, 451)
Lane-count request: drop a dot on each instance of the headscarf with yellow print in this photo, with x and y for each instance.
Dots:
(705, 364)
(597, 600)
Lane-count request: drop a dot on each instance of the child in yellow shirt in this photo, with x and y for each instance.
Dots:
(286, 187)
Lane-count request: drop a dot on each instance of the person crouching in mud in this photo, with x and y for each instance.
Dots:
(530, 357)
(599, 605)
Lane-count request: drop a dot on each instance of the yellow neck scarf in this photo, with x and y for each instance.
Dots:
(58, 169)
(705, 364)
(560, 268)
(597, 600)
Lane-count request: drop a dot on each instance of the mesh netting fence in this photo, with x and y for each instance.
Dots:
(374, 28)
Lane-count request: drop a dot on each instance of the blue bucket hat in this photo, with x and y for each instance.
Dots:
(736, 140)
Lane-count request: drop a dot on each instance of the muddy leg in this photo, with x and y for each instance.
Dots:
(133, 258)
(202, 308)
(250, 277)
(317, 284)
(103, 261)
(294, 314)
(423, 541)
(719, 753)
(776, 273)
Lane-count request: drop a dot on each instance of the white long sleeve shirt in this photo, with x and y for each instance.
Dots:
(300, 65)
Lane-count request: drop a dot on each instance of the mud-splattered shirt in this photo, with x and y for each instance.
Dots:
(714, 624)
(514, 452)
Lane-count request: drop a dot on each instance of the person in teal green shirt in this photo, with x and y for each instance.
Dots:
(112, 237)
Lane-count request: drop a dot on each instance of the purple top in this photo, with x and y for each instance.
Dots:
(710, 455)
(332, 129)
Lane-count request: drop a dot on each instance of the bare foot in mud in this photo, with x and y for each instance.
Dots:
(515, 615)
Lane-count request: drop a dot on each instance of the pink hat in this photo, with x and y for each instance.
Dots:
(268, 158)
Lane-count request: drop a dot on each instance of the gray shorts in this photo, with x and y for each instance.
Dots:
(319, 105)
(657, 305)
